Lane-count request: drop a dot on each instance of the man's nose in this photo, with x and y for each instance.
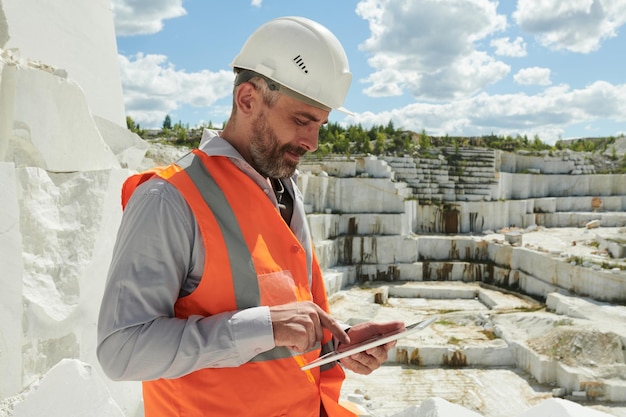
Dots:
(310, 138)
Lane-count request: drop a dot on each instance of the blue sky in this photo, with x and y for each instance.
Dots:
(552, 68)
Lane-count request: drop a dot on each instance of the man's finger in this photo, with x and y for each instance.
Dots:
(331, 324)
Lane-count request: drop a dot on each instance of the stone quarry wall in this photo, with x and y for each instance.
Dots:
(396, 219)
(436, 197)
(64, 153)
(73, 36)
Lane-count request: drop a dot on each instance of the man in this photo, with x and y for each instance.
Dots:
(214, 297)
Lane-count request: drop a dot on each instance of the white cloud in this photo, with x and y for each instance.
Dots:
(505, 47)
(142, 17)
(257, 3)
(428, 47)
(154, 88)
(533, 76)
(547, 114)
(385, 83)
(573, 25)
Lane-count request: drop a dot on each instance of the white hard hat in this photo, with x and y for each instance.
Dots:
(302, 56)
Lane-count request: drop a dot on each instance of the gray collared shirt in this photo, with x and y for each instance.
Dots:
(158, 257)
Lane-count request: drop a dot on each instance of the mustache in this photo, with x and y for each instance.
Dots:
(298, 150)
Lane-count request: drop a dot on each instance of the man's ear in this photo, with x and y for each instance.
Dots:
(246, 98)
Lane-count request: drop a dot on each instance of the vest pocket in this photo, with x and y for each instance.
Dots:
(277, 288)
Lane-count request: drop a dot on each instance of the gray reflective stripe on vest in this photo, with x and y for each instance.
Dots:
(247, 293)
(246, 285)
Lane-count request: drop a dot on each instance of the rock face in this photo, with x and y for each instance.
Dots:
(364, 221)
(69, 36)
(64, 152)
(89, 396)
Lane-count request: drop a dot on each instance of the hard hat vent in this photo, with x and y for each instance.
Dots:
(300, 64)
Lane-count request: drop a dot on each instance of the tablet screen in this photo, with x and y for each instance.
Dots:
(344, 351)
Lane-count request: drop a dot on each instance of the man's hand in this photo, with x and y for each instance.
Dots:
(371, 359)
(299, 326)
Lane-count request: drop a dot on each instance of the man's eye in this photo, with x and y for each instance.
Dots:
(301, 122)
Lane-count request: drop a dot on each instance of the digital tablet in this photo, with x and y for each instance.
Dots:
(343, 352)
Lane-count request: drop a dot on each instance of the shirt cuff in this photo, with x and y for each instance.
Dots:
(252, 331)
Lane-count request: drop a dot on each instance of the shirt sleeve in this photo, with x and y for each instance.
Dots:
(158, 249)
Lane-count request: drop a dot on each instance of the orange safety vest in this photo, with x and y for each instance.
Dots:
(252, 259)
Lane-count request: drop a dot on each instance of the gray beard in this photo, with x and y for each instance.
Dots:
(267, 154)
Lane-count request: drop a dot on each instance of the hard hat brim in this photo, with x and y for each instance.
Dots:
(245, 75)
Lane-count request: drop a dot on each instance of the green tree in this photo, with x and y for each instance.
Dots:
(390, 129)
(578, 146)
(590, 146)
(134, 127)
(537, 143)
(424, 140)
(361, 141)
(372, 132)
(167, 122)
(324, 149)
(379, 143)
(455, 143)
(341, 144)
(130, 123)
